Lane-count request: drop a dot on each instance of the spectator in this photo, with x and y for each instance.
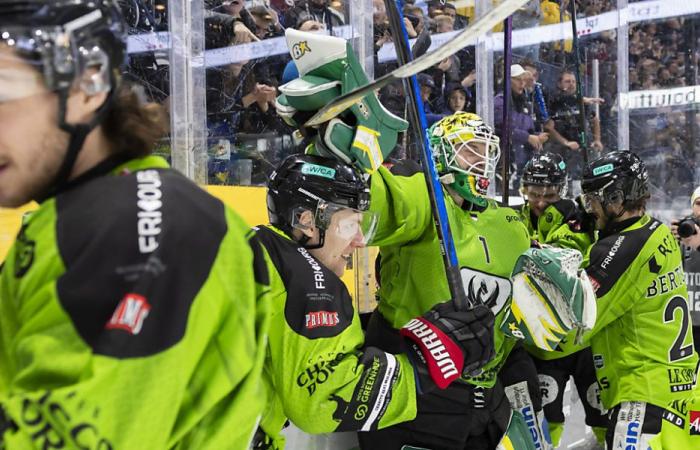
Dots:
(564, 129)
(266, 22)
(459, 21)
(316, 10)
(427, 92)
(444, 23)
(691, 262)
(456, 99)
(537, 107)
(524, 139)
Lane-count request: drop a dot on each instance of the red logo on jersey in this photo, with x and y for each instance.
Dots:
(130, 314)
(694, 422)
(594, 283)
(321, 319)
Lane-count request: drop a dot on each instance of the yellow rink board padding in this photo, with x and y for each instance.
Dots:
(249, 202)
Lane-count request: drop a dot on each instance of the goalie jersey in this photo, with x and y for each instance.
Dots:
(488, 242)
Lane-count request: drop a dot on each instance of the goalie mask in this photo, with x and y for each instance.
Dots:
(466, 152)
(328, 68)
(324, 187)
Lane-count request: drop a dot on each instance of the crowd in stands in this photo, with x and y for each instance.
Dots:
(240, 95)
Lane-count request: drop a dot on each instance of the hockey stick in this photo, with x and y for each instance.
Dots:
(507, 61)
(579, 88)
(466, 37)
(418, 120)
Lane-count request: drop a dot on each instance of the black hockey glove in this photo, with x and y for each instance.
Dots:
(444, 344)
(575, 216)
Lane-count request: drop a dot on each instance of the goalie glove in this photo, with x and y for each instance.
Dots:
(366, 133)
(444, 344)
(551, 297)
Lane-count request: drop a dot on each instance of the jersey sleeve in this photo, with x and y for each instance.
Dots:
(400, 198)
(615, 277)
(324, 379)
(557, 227)
(144, 296)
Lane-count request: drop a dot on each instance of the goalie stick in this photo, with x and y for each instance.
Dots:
(466, 37)
(417, 118)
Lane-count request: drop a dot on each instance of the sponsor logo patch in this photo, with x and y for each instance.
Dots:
(130, 314)
(694, 418)
(680, 379)
(321, 319)
(603, 169)
(300, 49)
(319, 171)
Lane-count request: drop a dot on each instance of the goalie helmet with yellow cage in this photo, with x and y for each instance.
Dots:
(466, 152)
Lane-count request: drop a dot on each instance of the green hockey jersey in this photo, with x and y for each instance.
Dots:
(488, 242)
(552, 228)
(317, 372)
(130, 318)
(680, 429)
(642, 343)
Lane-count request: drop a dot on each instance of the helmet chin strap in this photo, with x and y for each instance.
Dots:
(321, 240)
(77, 134)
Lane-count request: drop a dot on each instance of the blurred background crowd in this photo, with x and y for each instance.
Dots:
(240, 96)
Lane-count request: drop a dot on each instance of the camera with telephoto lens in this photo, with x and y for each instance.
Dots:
(686, 226)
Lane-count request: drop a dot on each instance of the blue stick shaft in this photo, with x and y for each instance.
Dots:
(437, 200)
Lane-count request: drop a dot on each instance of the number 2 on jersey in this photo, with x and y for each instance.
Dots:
(677, 351)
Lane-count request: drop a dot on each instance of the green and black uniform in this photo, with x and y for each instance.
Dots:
(488, 241)
(317, 371)
(642, 343)
(133, 314)
(568, 360)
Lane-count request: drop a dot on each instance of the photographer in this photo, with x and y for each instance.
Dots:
(687, 231)
(564, 129)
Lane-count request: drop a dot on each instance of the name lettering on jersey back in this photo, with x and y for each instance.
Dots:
(668, 245)
(319, 277)
(150, 215)
(613, 251)
(666, 283)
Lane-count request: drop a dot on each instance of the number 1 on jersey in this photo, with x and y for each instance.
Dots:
(486, 249)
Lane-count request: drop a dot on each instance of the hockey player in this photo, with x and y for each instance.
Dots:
(554, 220)
(489, 239)
(318, 373)
(642, 345)
(130, 316)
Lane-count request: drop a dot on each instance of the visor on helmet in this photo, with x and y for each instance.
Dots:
(347, 223)
(54, 52)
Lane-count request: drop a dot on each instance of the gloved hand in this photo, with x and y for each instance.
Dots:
(444, 344)
(581, 220)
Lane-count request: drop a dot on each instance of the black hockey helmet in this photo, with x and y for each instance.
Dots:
(618, 176)
(323, 186)
(546, 169)
(62, 39)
